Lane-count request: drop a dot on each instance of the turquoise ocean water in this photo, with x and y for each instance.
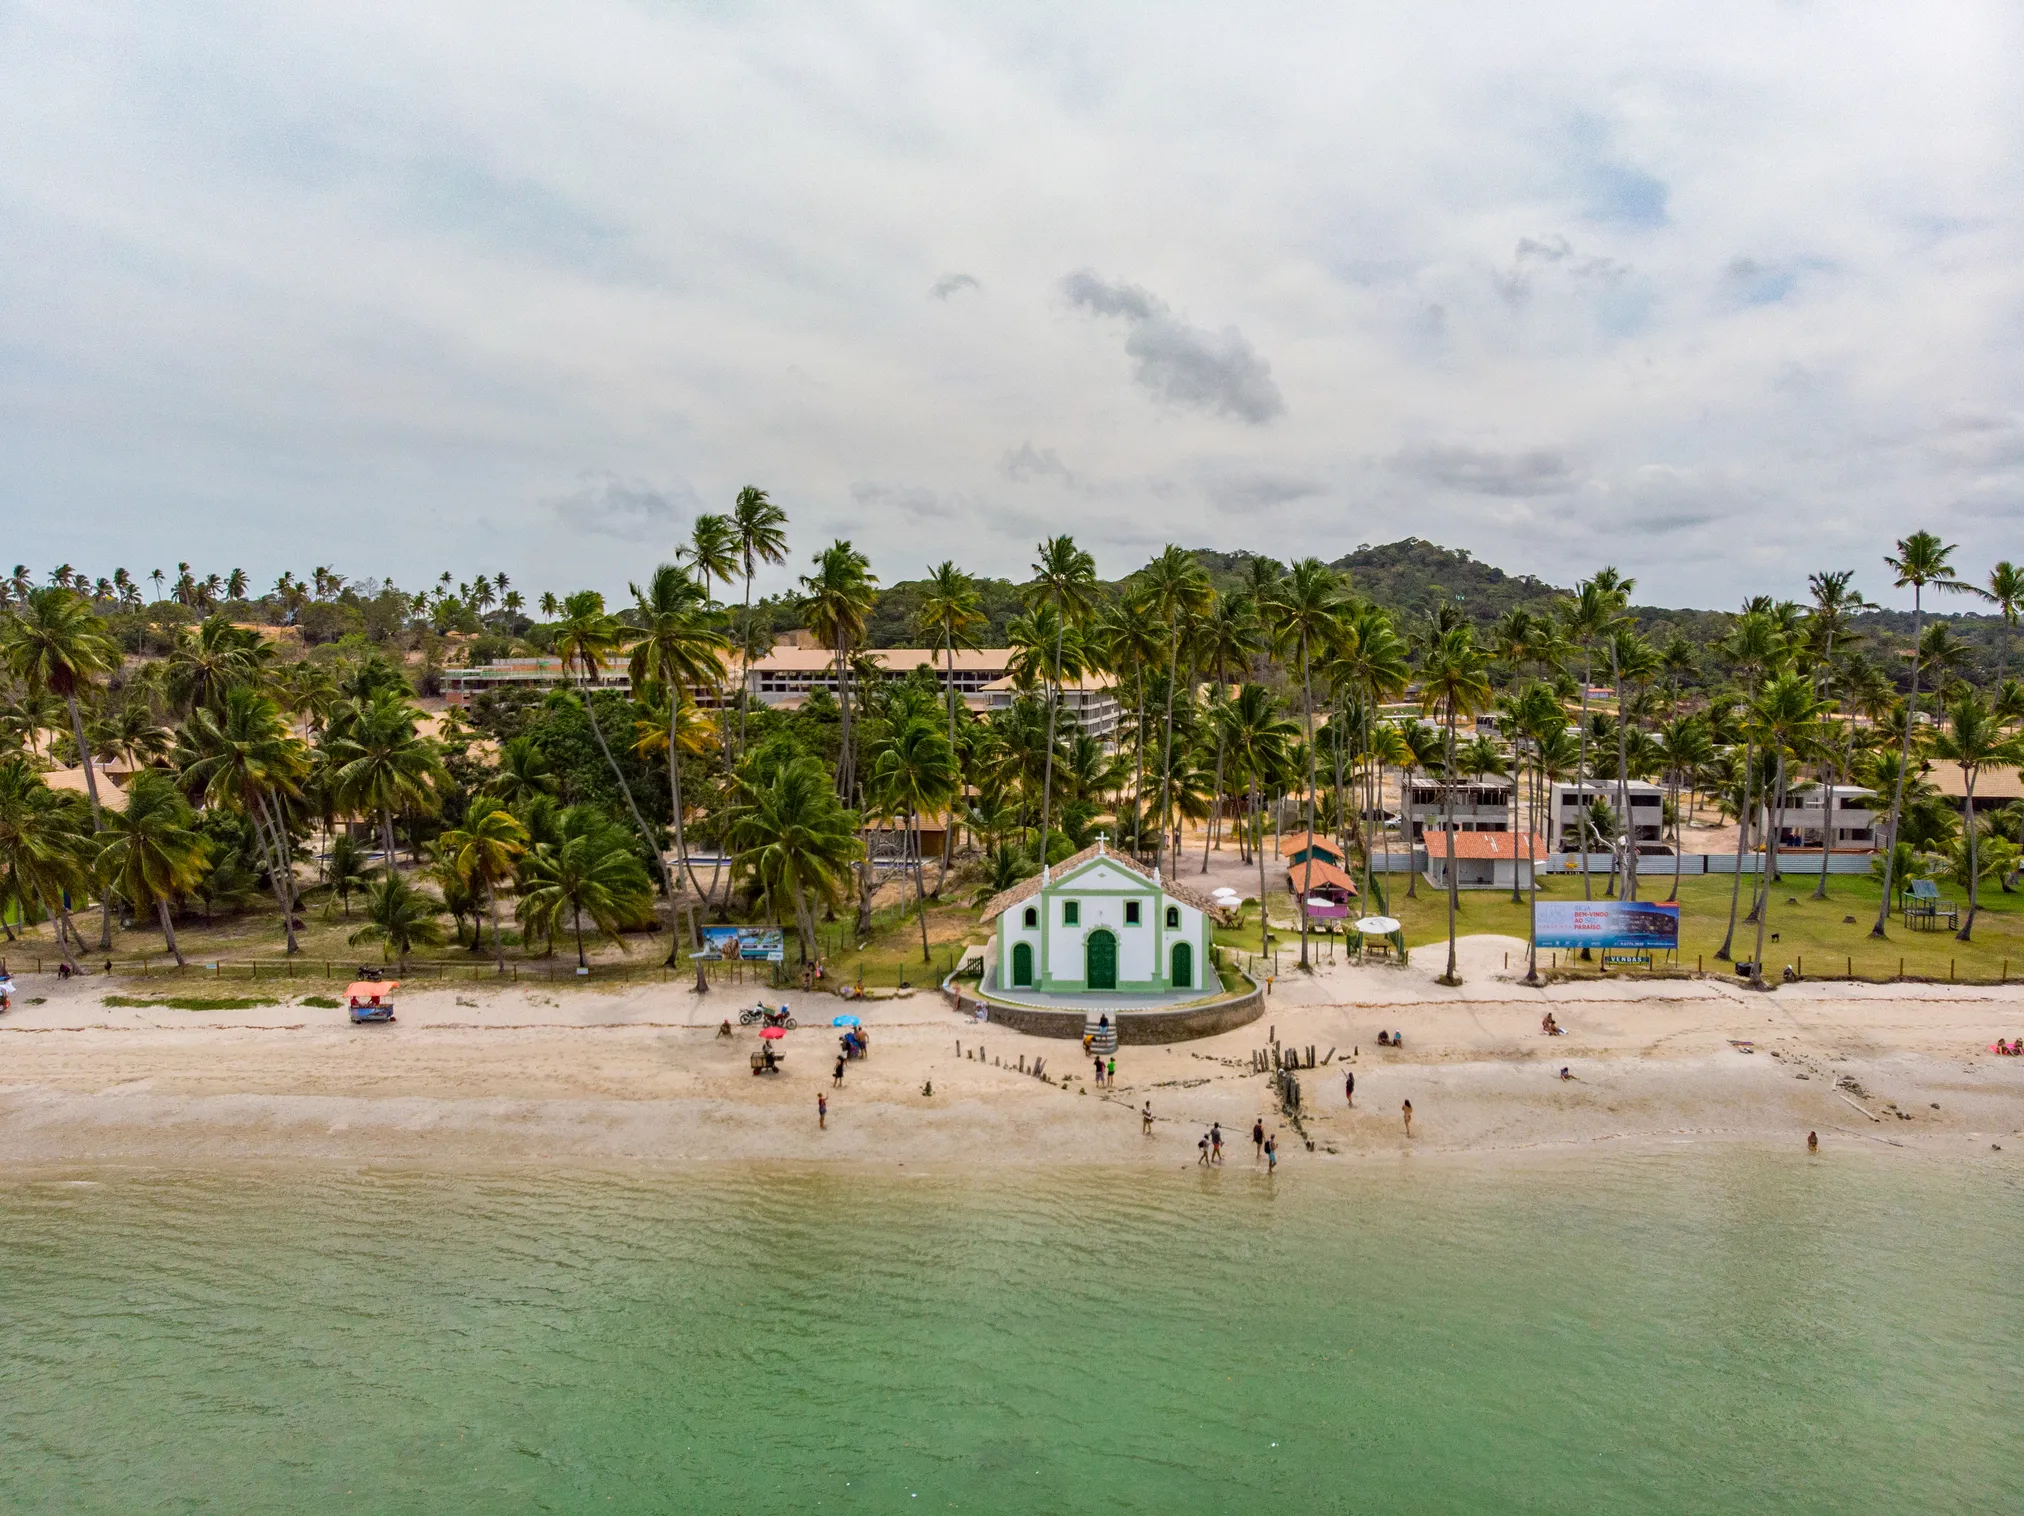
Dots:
(1705, 1330)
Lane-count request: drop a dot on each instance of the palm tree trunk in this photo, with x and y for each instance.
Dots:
(1307, 701)
(279, 870)
(576, 918)
(681, 841)
(1053, 709)
(920, 890)
(1742, 831)
(1897, 799)
(1532, 881)
(492, 905)
(1454, 884)
(1623, 781)
(1167, 758)
(1581, 772)
(1680, 836)
(1966, 933)
(169, 932)
(1517, 776)
(632, 807)
(1213, 831)
(1258, 848)
(387, 836)
(1771, 865)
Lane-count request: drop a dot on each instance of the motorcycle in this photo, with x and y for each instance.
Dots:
(766, 1015)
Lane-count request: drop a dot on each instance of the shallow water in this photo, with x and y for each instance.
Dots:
(1704, 1330)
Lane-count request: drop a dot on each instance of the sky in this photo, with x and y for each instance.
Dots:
(1721, 293)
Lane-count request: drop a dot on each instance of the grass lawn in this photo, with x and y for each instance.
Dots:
(1812, 934)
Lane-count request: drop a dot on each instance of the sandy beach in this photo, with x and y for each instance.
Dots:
(530, 1076)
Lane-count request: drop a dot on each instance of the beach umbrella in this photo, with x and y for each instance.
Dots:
(771, 1033)
(1377, 926)
(845, 1021)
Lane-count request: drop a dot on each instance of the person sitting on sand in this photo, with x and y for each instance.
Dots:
(1398, 1039)
(1564, 1073)
(725, 1029)
(1383, 1038)
(1546, 1023)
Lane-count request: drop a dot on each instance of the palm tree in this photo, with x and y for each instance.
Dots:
(2006, 593)
(1590, 616)
(524, 774)
(1224, 639)
(837, 604)
(1257, 740)
(55, 645)
(246, 759)
(1454, 680)
(379, 763)
(58, 647)
(794, 837)
(44, 851)
(1786, 716)
(484, 851)
(1304, 611)
(591, 871)
(1755, 646)
(586, 640)
(345, 871)
(951, 605)
(915, 771)
(1973, 738)
(1921, 560)
(1177, 591)
(205, 663)
(761, 528)
(550, 606)
(400, 917)
(1633, 664)
(1064, 580)
(678, 646)
(152, 851)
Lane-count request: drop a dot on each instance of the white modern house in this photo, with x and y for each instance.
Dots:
(1480, 805)
(1802, 820)
(1646, 820)
(1097, 922)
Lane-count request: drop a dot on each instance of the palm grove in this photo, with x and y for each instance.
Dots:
(303, 772)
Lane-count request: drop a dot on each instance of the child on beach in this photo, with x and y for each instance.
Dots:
(1146, 1120)
(1202, 1151)
(1406, 1110)
(1272, 1154)
(1110, 1073)
(1349, 1086)
(821, 1110)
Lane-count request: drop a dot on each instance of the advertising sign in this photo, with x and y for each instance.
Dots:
(1607, 924)
(765, 944)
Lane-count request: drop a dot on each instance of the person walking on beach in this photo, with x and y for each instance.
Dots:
(1813, 1142)
(1406, 1111)
(1202, 1149)
(1146, 1120)
(1272, 1154)
(1349, 1086)
(1258, 1139)
(821, 1111)
(1216, 1141)
(1110, 1073)
(838, 1081)
(1099, 1073)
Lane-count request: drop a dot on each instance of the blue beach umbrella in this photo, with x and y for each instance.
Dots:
(845, 1021)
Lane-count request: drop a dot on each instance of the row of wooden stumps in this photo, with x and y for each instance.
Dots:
(976, 1055)
(1267, 1059)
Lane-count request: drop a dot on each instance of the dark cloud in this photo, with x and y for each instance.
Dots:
(1256, 489)
(1186, 366)
(1478, 472)
(1027, 462)
(952, 284)
(1555, 252)
(909, 500)
(629, 509)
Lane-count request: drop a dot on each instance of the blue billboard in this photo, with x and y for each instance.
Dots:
(1606, 924)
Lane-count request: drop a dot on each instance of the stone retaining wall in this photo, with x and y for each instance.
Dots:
(1182, 1025)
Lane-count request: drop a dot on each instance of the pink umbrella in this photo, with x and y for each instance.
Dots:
(772, 1032)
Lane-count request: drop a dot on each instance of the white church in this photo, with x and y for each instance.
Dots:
(1097, 922)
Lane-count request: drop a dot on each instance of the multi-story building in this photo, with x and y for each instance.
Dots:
(1801, 818)
(1646, 820)
(1480, 805)
(1091, 705)
(789, 675)
(462, 685)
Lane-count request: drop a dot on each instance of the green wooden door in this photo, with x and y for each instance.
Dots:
(1102, 974)
(1184, 965)
(1022, 964)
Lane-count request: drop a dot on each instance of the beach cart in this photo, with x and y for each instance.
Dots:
(372, 999)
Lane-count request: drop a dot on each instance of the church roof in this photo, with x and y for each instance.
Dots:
(1026, 889)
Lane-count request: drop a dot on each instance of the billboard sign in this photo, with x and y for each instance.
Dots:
(1606, 924)
(764, 944)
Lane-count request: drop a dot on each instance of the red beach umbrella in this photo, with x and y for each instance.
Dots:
(772, 1032)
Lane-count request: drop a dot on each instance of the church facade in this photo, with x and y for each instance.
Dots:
(1096, 922)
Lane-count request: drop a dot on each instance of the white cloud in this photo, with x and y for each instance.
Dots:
(285, 284)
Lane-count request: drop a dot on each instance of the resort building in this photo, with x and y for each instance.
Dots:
(462, 685)
(1099, 922)
(789, 675)
(1484, 860)
(1647, 813)
(1091, 706)
(1480, 805)
(1800, 820)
